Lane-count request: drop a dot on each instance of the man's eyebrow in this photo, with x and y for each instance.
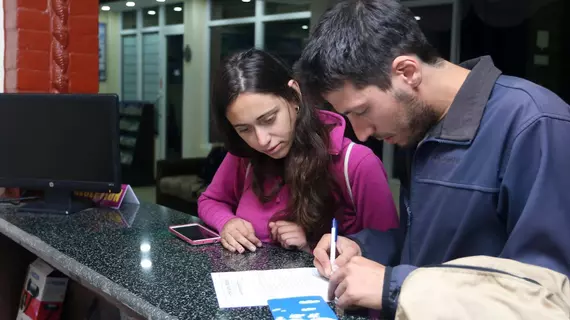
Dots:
(352, 108)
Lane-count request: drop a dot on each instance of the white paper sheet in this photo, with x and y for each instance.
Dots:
(254, 288)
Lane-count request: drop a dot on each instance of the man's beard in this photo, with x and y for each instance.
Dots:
(418, 117)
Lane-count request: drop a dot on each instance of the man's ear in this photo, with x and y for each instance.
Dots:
(408, 69)
(295, 85)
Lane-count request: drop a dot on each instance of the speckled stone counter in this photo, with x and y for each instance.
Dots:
(129, 257)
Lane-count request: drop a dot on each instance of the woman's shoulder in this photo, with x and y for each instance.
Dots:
(339, 144)
(356, 156)
(354, 150)
(233, 158)
(233, 161)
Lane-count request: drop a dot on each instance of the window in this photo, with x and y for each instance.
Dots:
(279, 6)
(150, 67)
(225, 40)
(174, 13)
(130, 70)
(140, 43)
(150, 17)
(231, 9)
(286, 39)
(129, 19)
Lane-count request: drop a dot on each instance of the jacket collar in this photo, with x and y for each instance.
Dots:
(465, 113)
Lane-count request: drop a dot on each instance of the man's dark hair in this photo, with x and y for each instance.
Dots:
(357, 41)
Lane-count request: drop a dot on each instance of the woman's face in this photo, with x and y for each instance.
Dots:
(265, 122)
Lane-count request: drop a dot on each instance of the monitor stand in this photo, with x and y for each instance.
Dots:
(57, 201)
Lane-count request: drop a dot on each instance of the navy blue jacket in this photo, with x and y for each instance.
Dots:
(492, 178)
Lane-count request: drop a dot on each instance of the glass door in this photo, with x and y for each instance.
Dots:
(150, 81)
(173, 84)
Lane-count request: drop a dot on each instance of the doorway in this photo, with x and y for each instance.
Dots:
(174, 95)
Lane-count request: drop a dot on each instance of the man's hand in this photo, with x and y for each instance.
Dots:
(237, 234)
(359, 283)
(346, 250)
(289, 234)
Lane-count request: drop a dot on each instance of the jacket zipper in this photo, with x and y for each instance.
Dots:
(484, 269)
(408, 202)
(409, 223)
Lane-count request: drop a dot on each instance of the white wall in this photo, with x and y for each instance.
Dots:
(196, 84)
(111, 85)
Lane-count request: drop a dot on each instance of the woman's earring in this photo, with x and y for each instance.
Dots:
(297, 109)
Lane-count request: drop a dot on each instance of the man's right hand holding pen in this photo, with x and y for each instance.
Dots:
(355, 281)
(345, 247)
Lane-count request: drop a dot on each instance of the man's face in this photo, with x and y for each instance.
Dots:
(396, 116)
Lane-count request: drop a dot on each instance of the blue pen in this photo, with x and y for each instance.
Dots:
(333, 243)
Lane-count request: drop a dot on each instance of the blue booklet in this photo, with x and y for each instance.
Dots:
(313, 307)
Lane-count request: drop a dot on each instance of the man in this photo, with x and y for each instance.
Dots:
(489, 155)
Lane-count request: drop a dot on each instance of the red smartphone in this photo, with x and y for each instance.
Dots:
(195, 234)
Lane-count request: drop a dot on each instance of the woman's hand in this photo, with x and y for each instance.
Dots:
(289, 234)
(237, 234)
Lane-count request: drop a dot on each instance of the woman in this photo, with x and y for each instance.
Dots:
(283, 179)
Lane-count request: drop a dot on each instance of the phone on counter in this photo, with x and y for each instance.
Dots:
(195, 234)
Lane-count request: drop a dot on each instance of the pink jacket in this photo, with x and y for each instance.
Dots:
(230, 194)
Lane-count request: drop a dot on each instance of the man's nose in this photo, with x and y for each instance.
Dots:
(362, 129)
(363, 134)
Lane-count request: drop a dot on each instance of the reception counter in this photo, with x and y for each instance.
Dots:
(129, 258)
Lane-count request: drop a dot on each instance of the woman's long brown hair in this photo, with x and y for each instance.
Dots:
(306, 169)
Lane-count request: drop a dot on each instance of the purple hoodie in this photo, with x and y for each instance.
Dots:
(230, 194)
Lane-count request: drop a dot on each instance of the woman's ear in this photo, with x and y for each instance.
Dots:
(295, 85)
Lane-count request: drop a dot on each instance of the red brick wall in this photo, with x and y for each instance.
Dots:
(51, 46)
(84, 46)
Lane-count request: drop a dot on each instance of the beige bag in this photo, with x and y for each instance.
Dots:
(484, 287)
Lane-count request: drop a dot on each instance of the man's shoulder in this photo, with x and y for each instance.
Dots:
(516, 102)
(521, 95)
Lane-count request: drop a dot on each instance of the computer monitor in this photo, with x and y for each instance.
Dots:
(59, 144)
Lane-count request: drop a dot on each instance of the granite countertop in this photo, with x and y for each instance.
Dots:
(129, 256)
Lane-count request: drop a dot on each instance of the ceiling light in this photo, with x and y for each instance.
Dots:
(177, 9)
(245, 0)
(418, 18)
(130, 4)
(160, 0)
(146, 263)
(105, 8)
(305, 27)
(145, 247)
(151, 12)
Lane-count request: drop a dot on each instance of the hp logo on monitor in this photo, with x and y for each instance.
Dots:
(51, 184)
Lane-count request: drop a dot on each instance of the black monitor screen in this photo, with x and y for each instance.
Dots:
(62, 138)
